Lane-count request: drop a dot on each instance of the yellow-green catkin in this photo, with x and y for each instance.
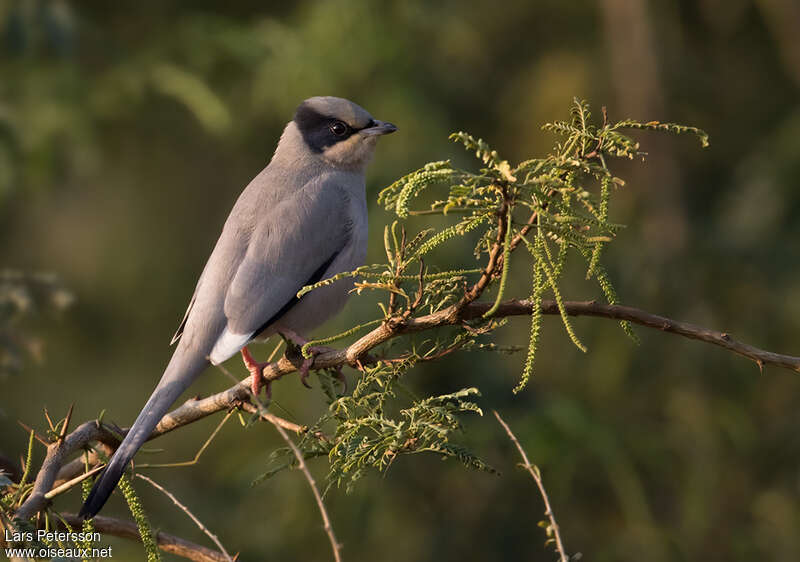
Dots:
(536, 325)
(88, 525)
(139, 515)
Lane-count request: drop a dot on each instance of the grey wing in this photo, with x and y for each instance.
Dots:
(292, 246)
(215, 277)
(182, 325)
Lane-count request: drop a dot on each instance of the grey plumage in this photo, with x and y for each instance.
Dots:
(303, 218)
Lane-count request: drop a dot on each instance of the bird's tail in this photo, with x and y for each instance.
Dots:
(182, 369)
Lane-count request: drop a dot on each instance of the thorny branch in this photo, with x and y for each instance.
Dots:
(466, 309)
(198, 408)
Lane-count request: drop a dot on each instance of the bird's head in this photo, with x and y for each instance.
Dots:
(341, 132)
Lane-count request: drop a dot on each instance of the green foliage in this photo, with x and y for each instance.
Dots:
(372, 430)
(566, 196)
(13, 494)
(88, 525)
(28, 461)
(433, 173)
(538, 285)
(368, 436)
(556, 207)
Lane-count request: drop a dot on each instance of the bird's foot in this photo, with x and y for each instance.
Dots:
(313, 351)
(294, 346)
(295, 342)
(256, 369)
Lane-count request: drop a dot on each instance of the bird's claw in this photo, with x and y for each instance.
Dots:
(256, 369)
(295, 343)
(309, 361)
(304, 369)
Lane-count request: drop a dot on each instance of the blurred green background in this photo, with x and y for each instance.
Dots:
(128, 129)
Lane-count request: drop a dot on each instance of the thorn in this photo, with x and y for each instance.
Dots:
(67, 419)
(38, 437)
(49, 421)
(760, 364)
(99, 419)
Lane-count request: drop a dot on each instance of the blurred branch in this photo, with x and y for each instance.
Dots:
(166, 542)
(22, 296)
(533, 470)
(779, 15)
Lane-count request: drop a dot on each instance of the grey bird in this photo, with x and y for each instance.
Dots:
(301, 220)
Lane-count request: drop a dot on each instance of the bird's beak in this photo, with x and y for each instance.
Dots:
(379, 128)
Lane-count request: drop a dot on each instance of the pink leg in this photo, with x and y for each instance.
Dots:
(256, 369)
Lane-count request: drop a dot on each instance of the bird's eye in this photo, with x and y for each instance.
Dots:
(338, 128)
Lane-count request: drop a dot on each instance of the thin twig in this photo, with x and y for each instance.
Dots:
(493, 262)
(398, 269)
(523, 231)
(70, 483)
(420, 291)
(335, 546)
(191, 515)
(534, 472)
(196, 458)
(284, 423)
(36, 436)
